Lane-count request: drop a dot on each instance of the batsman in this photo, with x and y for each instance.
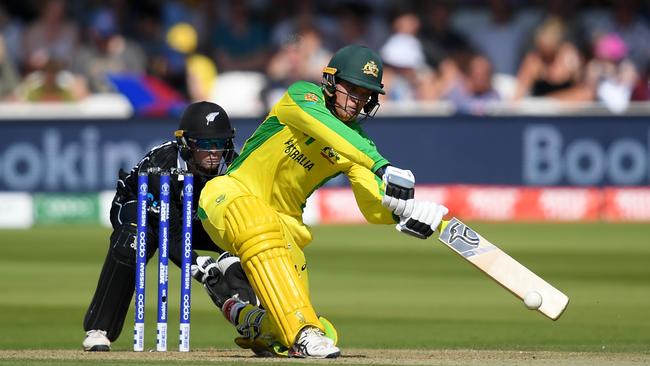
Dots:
(255, 210)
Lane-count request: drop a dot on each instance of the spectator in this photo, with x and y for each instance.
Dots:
(52, 83)
(472, 90)
(240, 40)
(611, 74)
(9, 77)
(403, 58)
(107, 52)
(358, 25)
(634, 30)
(149, 34)
(301, 58)
(302, 14)
(500, 34)
(148, 31)
(626, 21)
(174, 63)
(200, 70)
(50, 36)
(439, 40)
(641, 90)
(553, 67)
(567, 12)
(11, 31)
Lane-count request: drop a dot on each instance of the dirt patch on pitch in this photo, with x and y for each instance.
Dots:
(350, 357)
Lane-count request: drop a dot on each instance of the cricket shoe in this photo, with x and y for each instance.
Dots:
(262, 347)
(312, 342)
(267, 346)
(96, 341)
(248, 322)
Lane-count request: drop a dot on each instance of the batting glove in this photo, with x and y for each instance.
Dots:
(423, 220)
(400, 190)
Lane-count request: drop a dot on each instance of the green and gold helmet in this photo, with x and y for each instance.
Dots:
(358, 65)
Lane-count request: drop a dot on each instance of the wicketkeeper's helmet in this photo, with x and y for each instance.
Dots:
(206, 127)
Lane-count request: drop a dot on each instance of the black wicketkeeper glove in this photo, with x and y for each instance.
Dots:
(224, 278)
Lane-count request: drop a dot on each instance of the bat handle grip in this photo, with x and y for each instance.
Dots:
(442, 226)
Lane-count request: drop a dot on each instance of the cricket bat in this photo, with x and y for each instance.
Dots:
(501, 267)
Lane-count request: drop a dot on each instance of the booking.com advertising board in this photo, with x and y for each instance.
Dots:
(78, 156)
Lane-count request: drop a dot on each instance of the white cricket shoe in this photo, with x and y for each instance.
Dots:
(311, 342)
(96, 341)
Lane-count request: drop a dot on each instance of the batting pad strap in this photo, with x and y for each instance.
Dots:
(277, 284)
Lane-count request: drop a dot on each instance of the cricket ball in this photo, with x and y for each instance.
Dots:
(533, 300)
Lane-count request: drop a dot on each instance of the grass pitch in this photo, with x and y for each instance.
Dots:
(382, 290)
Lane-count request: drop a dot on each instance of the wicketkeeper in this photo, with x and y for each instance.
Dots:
(255, 211)
(203, 146)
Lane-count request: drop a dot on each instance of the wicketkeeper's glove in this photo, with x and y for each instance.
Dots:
(223, 278)
(230, 267)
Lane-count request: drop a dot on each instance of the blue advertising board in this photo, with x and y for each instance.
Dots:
(534, 151)
(83, 156)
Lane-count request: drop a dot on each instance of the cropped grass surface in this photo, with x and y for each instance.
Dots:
(381, 289)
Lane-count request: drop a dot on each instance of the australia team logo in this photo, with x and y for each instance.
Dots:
(330, 155)
(311, 97)
(371, 68)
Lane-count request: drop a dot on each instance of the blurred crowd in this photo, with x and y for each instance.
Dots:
(243, 54)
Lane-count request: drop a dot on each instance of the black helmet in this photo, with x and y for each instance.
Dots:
(358, 65)
(206, 127)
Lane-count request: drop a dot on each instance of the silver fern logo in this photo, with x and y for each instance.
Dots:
(210, 117)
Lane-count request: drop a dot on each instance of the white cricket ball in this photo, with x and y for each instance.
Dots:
(533, 300)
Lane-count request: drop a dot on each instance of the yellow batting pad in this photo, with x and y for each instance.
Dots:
(255, 232)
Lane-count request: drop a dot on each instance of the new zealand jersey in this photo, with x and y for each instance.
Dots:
(166, 158)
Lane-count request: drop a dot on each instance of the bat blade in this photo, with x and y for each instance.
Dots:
(501, 267)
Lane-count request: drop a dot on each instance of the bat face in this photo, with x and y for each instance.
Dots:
(502, 268)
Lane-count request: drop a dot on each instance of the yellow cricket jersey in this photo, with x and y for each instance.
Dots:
(301, 145)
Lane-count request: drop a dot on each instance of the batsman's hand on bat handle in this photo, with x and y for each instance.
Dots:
(424, 219)
(400, 190)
